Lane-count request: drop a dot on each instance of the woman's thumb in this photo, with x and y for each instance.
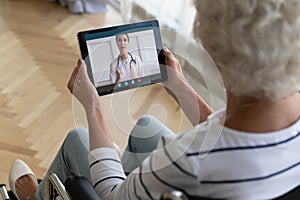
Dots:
(82, 67)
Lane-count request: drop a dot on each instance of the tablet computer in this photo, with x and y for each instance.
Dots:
(123, 57)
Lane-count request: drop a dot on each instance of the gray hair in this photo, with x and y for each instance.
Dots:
(255, 44)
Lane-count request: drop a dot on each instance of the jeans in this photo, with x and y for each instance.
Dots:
(72, 157)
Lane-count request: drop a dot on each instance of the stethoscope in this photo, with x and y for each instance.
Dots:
(130, 63)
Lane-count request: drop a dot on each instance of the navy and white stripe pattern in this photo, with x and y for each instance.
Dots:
(240, 166)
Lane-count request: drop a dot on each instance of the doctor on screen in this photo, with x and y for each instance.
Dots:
(126, 66)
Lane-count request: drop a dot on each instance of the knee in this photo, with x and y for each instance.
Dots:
(76, 132)
(146, 127)
(150, 127)
(76, 135)
(145, 121)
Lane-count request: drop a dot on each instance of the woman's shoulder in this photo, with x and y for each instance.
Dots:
(215, 135)
(136, 57)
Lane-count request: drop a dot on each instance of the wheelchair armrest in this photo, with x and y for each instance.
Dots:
(3, 192)
(79, 187)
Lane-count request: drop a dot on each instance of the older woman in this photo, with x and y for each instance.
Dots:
(255, 44)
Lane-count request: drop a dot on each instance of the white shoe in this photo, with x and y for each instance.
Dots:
(17, 170)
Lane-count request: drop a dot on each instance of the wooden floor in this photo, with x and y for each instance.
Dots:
(38, 50)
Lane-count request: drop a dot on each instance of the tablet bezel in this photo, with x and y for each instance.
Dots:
(126, 28)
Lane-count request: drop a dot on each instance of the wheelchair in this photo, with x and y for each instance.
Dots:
(79, 188)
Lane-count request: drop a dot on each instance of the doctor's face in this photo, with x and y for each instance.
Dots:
(122, 43)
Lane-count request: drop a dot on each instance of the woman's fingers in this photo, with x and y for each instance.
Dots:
(82, 70)
(79, 74)
(132, 72)
(73, 77)
(118, 74)
(171, 61)
(81, 87)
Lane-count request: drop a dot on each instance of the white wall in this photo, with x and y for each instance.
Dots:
(174, 14)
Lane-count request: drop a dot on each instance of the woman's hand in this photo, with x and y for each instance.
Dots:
(175, 74)
(132, 72)
(118, 74)
(183, 93)
(81, 87)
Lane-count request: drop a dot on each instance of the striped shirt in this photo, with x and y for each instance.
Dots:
(210, 160)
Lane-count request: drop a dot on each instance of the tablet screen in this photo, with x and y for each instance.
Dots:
(123, 57)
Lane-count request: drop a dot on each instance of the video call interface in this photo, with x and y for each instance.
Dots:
(109, 66)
